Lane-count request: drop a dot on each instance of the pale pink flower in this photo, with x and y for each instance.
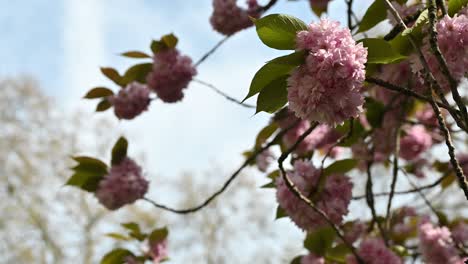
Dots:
(264, 160)
(228, 18)
(312, 259)
(436, 245)
(131, 100)
(333, 200)
(460, 233)
(124, 184)
(172, 72)
(355, 231)
(374, 251)
(452, 39)
(327, 87)
(158, 251)
(416, 141)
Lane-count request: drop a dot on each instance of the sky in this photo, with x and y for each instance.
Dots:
(62, 43)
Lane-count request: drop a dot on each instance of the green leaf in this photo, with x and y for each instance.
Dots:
(279, 31)
(376, 13)
(103, 105)
(448, 180)
(272, 175)
(116, 256)
(166, 42)
(340, 166)
(318, 11)
(134, 230)
(137, 73)
(170, 40)
(402, 44)
(280, 213)
(273, 70)
(274, 96)
(380, 51)
(265, 134)
(456, 5)
(320, 241)
(356, 134)
(297, 260)
(135, 54)
(118, 236)
(294, 59)
(119, 151)
(98, 92)
(158, 235)
(375, 111)
(112, 74)
(417, 26)
(87, 173)
(338, 253)
(269, 185)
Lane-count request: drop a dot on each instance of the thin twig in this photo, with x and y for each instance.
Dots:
(228, 182)
(371, 203)
(218, 91)
(442, 6)
(443, 64)
(396, 154)
(429, 186)
(211, 51)
(292, 187)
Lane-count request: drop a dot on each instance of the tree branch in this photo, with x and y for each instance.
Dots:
(223, 94)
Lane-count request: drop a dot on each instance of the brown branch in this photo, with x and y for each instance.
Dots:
(211, 51)
(223, 94)
(291, 186)
(228, 182)
(443, 64)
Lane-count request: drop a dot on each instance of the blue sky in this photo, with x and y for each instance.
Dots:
(63, 44)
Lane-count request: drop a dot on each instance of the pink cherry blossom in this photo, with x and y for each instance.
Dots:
(131, 101)
(264, 159)
(374, 251)
(158, 251)
(228, 18)
(333, 199)
(327, 87)
(436, 245)
(172, 72)
(124, 184)
(416, 141)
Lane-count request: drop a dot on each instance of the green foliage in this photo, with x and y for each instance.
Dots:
(134, 231)
(272, 175)
(166, 42)
(119, 151)
(135, 54)
(112, 74)
(273, 70)
(320, 241)
(297, 260)
(273, 96)
(137, 73)
(264, 134)
(116, 256)
(456, 5)
(380, 51)
(422, 20)
(375, 111)
(158, 235)
(280, 213)
(340, 166)
(356, 133)
(376, 13)
(103, 105)
(118, 236)
(98, 92)
(87, 173)
(279, 31)
(338, 253)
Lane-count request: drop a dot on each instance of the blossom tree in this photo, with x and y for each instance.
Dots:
(342, 104)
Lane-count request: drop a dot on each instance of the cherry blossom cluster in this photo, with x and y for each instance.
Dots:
(124, 184)
(327, 88)
(228, 18)
(333, 199)
(131, 100)
(172, 72)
